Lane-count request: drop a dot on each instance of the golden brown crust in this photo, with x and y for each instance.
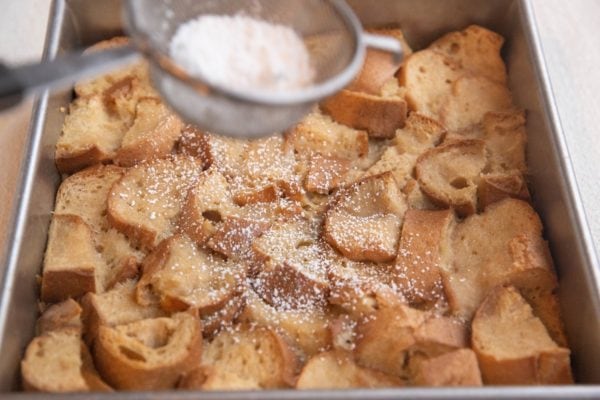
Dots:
(513, 346)
(150, 354)
(255, 355)
(422, 243)
(337, 370)
(71, 261)
(457, 368)
(379, 116)
(449, 174)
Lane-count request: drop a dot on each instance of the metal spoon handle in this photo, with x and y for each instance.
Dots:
(17, 82)
(385, 43)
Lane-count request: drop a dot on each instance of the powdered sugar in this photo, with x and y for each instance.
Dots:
(242, 52)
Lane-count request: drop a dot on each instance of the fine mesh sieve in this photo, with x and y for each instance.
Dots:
(329, 28)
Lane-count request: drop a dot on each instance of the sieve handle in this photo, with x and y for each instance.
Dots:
(385, 43)
(17, 82)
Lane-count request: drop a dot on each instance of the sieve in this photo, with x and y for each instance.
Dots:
(332, 33)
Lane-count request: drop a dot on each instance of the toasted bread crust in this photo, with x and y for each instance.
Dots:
(149, 354)
(379, 116)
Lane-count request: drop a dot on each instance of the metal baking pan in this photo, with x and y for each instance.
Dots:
(76, 23)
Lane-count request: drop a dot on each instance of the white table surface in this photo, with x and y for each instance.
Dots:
(570, 33)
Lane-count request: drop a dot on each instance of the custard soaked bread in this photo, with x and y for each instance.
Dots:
(385, 241)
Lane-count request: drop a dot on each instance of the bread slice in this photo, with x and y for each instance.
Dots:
(384, 339)
(207, 378)
(379, 116)
(495, 187)
(90, 135)
(476, 50)
(418, 135)
(471, 98)
(150, 215)
(153, 134)
(318, 133)
(116, 117)
(337, 370)
(84, 194)
(449, 174)
(423, 240)
(356, 286)
(415, 198)
(307, 329)
(219, 152)
(379, 66)
(513, 346)
(294, 266)
(428, 77)
(112, 308)
(503, 245)
(267, 172)
(457, 368)
(63, 315)
(257, 355)
(325, 173)
(58, 361)
(505, 139)
(394, 332)
(208, 203)
(179, 275)
(150, 354)
(223, 318)
(364, 219)
(71, 263)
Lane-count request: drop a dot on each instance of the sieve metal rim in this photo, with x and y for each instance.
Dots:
(309, 94)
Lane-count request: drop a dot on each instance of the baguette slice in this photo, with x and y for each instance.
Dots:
(85, 194)
(379, 116)
(150, 354)
(505, 139)
(90, 135)
(112, 308)
(318, 133)
(449, 174)
(423, 241)
(394, 331)
(513, 346)
(59, 362)
(179, 275)
(337, 370)
(153, 134)
(219, 152)
(306, 329)
(207, 204)
(363, 222)
(71, 263)
(63, 315)
(294, 266)
(457, 368)
(150, 215)
(471, 98)
(476, 50)
(428, 76)
(503, 245)
(495, 187)
(325, 173)
(418, 135)
(254, 355)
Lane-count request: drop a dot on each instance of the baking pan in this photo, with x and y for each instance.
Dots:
(76, 23)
